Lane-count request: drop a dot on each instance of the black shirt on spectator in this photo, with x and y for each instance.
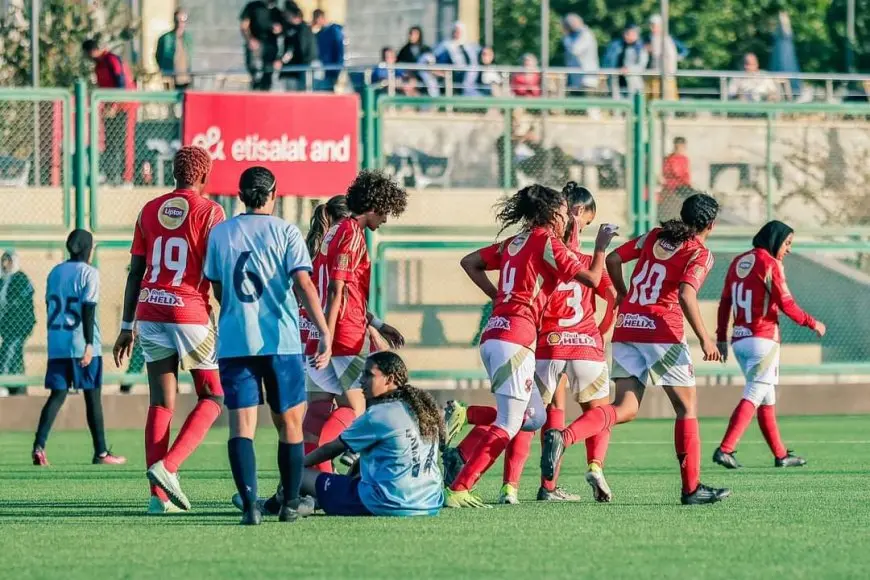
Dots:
(262, 17)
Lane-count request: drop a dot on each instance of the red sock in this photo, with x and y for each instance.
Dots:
(687, 442)
(515, 457)
(770, 430)
(555, 420)
(481, 415)
(316, 416)
(590, 423)
(339, 420)
(494, 442)
(192, 433)
(740, 419)
(596, 447)
(467, 446)
(157, 440)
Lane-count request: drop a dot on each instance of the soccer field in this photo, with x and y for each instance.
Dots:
(75, 520)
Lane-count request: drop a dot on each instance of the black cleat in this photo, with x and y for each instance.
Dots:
(252, 516)
(703, 495)
(453, 464)
(294, 509)
(790, 460)
(551, 452)
(726, 460)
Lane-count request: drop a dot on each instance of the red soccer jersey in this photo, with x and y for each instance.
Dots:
(531, 265)
(343, 256)
(171, 234)
(651, 312)
(755, 291)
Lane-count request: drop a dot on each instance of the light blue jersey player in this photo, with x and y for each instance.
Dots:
(74, 348)
(258, 265)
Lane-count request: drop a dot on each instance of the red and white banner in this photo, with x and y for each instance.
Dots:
(309, 141)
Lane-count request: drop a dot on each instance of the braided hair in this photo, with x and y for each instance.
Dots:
(698, 213)
(191, 165)
(532, 206)
(325, 216)
(256, 186)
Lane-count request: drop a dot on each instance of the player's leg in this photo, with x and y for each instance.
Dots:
(90, 382)
(767, 422)
(320, 407)
(57, 379)
(336, 495)
(749, 353)
(517, 451)
(548, 491)
(590, 384)
(350, 403)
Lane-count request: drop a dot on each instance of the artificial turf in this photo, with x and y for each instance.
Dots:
(74, 520)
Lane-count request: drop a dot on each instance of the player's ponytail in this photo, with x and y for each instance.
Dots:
(532, 206)
(325, 215)
(698, 213)
(578, 197)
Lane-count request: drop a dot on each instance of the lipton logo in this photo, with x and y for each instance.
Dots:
(173, 212)
(517, 244)
(663, 250)
(744, 266)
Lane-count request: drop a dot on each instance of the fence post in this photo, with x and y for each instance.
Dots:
(640, 214)
(768, 163)
(80, 107)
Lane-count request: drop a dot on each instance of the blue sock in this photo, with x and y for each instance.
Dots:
(243, 463)
(290, 463)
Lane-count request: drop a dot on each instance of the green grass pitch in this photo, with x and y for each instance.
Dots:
(74, 520)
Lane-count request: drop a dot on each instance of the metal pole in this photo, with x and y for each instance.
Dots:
(545, 35)
(487, 22)
(850, 34)
(34, 72)
(664, 53)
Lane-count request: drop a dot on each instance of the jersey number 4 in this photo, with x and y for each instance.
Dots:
(647, 285)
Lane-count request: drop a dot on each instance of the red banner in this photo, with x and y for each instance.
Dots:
(309, 141)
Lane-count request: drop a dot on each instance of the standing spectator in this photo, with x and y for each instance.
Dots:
(119, 119)
(528, 82)
(300, 49)
(330, 47)
(783, 56)
(17, 317)
(664, 53)
(581, 51)
(414, 48)
(456, 52)
(676, 181)
(628, 55)
(261, 27)
(753, 88)
(174, 53)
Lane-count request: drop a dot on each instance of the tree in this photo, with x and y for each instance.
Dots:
(517, 27)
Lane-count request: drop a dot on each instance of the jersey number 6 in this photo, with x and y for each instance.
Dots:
(251, 291)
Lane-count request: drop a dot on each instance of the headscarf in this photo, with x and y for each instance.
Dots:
(772, 236)
(79, 244)
(6, 277)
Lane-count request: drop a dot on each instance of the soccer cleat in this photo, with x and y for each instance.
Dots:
(262, 504)
(109, 459)
(551, 453)
(557, 494)
(600, 490)
(508, 495)
(158, 507)
(301, 507)
(704, 494)
(462, 499)
(455, 416)
(726, 459)
(168, 482)
(253, 516)
(790, 460)
(453, 464)
(39, 457)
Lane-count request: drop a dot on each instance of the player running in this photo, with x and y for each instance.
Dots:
(255, 263)
(75, 351)
(531, 265)
(342, 271)
(755, 291)
(174, 323)
(649, 345)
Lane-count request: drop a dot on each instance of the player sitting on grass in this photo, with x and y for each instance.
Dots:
(75, 356)
(256, 262)
(755, 291)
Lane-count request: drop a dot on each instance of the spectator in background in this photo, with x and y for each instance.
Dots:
(581, 51)
(676, 181)
(261, 25)
(629, 56)
(528, 82)
(17, 317)
(330, 48)
(456, 52)
(119, 119)
(174, 54)
(300, 49)
(753, 88)
(783, 57)
(415, 48)
(489, 83)
(663, 53)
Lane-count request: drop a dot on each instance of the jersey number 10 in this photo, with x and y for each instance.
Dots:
(647, 285)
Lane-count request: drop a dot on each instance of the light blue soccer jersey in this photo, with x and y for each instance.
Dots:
(400, 474)
(70, 285)
(253, 257)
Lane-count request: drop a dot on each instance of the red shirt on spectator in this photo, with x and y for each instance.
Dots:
(112, 72)
(675, 172)
(526, 84)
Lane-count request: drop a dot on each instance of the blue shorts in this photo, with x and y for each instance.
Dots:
(338, 495)
(282, 376)
(66, 373)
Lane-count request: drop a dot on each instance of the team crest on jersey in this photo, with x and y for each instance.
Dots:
(343, 262)
(161, 298)
(497, 323)
(664, 249)
(635, 321)
(744, 266)
(569, 339)
(517, 243)
(173, 212)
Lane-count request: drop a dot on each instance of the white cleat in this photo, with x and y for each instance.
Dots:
(158, 507)
(509, 495)
(600, 490)
(168, 482)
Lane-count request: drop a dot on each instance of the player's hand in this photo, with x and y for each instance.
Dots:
(378, 342)
(123, 347)
(393, 337)
(820, 328)
(711, 351)
(723, 351)
(605, 234)
(87, 357)
(253, 43)
(324, 353)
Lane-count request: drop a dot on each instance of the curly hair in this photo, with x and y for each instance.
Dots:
(422, 405)
(324, 217)
(375, 191)
(532, 206)
(699, 211)
(256, 186)
(191, 165)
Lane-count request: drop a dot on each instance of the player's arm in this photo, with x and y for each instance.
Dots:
(89, 316)
(782, 297)
(591, 277)
(124, 343)
(627, 252)
(477, 263)
(722, 317)
(307, 295)
(390, 333)
(326, 452)
(693, 278)
(606, 291)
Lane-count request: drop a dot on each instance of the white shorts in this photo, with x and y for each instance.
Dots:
(654, 364)
(759, 360)
(587, 380)
(343, 373)
(510, 367)
(194, 344)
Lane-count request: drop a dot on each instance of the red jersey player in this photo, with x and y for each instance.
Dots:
(168, 296)
(649, 344)
(531, 265)
(755, 292)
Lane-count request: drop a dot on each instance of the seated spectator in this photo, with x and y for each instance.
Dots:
(530, 160)
(581, 51)
(490, 81)
(527, 83)
(629, 56)
(381, 73)
(754, 88)
(676, 181)
(414, 48)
